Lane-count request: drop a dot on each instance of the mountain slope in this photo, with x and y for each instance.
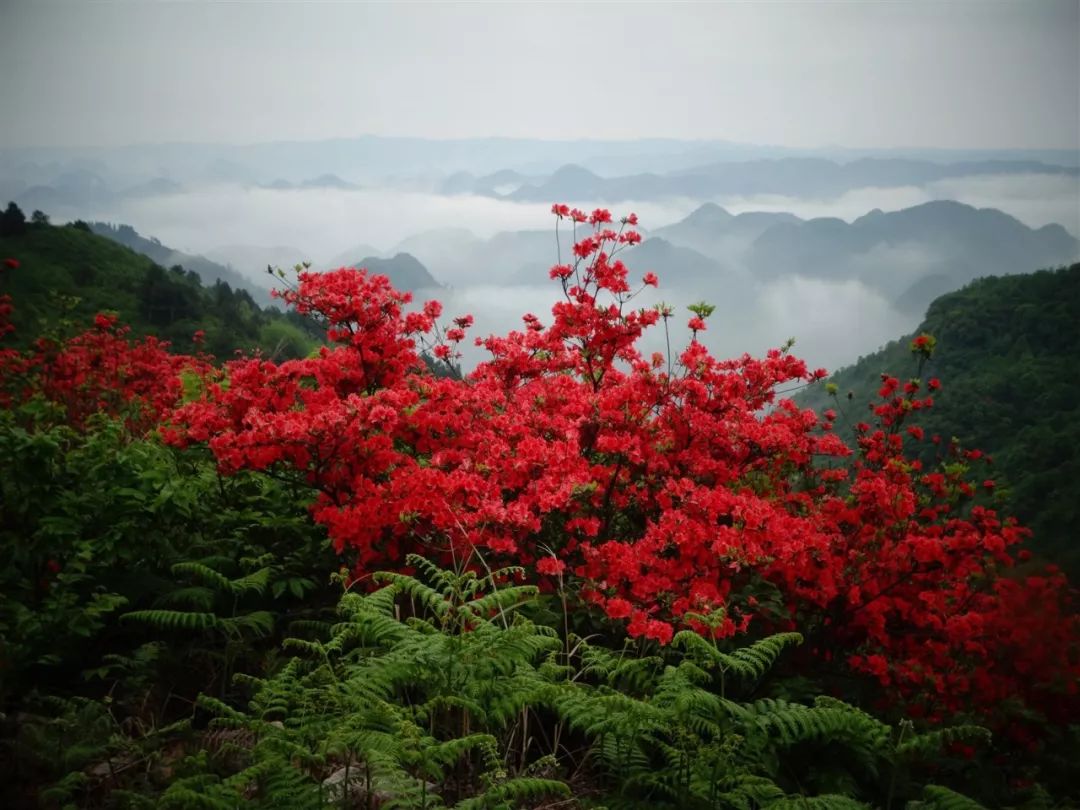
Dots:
(403, 270)
(207, 270)
(70, 273)
(1007, 350)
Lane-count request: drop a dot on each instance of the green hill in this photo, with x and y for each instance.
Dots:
(69, 273)
(1007, 357)
(209, 271)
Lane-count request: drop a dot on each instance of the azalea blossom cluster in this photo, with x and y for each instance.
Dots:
(692, 497)
(100, 370)
(664, 492)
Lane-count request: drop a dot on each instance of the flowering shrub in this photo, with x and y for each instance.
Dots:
(688, 497)
(669, 492)
(98, 371)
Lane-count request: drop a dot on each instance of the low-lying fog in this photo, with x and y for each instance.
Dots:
(833, 322)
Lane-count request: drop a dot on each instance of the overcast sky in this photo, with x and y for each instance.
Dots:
(864, 74)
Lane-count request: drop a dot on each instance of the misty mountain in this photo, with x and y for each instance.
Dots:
(714, 232)
(370, 157)
(324, 181)
(208, 271)
(447, 250)
(156, 187)
(913, 254)
(497, 183)
(674, 264)
(525, 257)
(81, 189)
(788, 176)
(78, 187)
(403, 270)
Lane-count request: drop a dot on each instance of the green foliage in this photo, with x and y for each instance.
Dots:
(67, 274)
(941, 798)
(437, 690)
(206, 569)
(1005, 353)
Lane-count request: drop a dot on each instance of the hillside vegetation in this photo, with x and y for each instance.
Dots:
(69, 273)
(1006, 356)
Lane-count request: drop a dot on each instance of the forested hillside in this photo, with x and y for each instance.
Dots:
(70, 273)
(1006, 355)
(209, 271)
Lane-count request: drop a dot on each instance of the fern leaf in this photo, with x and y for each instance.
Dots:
(516, 792)
(829, 801)
(204, 573)
(941, 798)
(173, 619)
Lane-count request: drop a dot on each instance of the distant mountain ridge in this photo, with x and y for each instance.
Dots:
(898, 251)
(370, 156)
(715, 232)
(800, 176)
(325, 181)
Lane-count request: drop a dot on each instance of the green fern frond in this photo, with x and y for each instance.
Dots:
(929, 745)
(258, 624)
(429, 598)
(205, 574)
(830, 801)
(173, 619)
(754, 661)
(502, 601)
(942, 798)
(522, 791)
(255, 582)
(196, 596)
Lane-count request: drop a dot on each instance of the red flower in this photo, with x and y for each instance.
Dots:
(11, 264)
(650, 280)
(618, 608)
(658, 630)
(697, 324)
(550, 566)
(568, 425)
